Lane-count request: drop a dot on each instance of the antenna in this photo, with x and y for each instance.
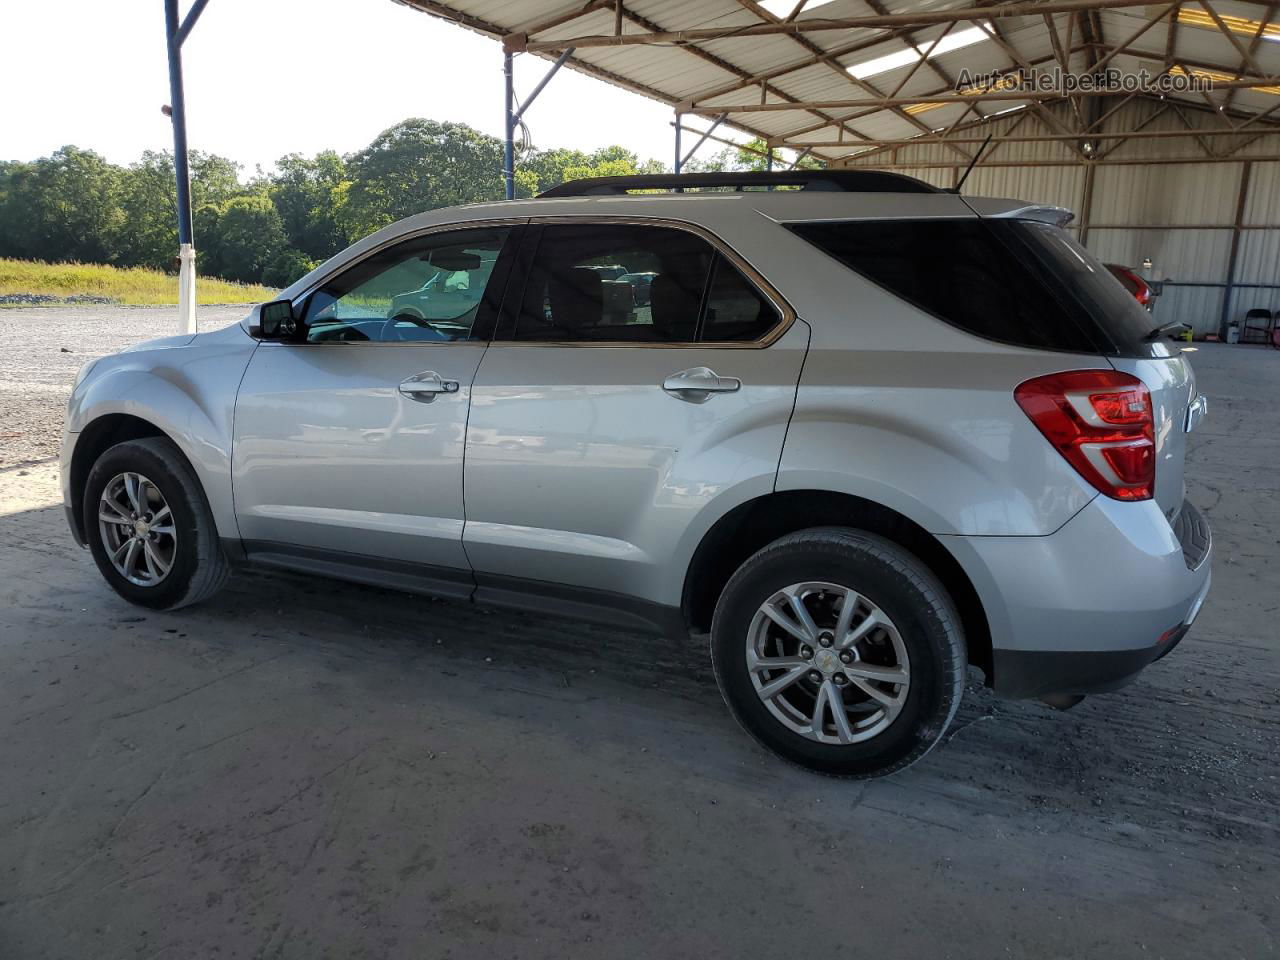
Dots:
(972, 163)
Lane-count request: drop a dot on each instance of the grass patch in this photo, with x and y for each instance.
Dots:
(132, 286)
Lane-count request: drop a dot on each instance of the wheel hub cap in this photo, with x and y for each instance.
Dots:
(137, 529)
(827, 662)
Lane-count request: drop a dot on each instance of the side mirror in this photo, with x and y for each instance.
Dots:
(276, 320)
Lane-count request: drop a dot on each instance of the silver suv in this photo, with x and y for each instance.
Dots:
(861, 431)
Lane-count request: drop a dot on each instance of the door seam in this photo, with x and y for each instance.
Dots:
(231, 443)
(795, 401)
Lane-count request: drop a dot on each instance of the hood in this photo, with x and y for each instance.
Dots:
(233, 331)
(161, 343)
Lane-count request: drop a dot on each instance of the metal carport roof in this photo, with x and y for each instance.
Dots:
(809, 74)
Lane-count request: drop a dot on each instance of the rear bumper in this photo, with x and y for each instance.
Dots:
(1039, 673)
(1085, 609)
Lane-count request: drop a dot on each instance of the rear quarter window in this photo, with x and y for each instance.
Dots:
(987, 277)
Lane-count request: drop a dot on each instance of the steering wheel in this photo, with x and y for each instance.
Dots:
(391, 331)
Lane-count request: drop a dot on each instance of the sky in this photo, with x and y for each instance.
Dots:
(270, 77)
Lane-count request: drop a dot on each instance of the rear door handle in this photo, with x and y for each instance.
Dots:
(426, 386)
(697, 384)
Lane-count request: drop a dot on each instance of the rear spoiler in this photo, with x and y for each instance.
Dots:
(1013, 210)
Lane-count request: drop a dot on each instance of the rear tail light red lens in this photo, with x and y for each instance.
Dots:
(1101, 422)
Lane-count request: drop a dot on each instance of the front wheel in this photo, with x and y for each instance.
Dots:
(149, 526)
(840, 651)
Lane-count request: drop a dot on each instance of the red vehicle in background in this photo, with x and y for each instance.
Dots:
(1140, 289)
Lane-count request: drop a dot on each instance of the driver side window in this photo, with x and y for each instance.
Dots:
(428, 289)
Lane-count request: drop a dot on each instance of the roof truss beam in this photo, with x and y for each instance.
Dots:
(1243, 83)
(1000, 138)
(518, 42)
(826, 60)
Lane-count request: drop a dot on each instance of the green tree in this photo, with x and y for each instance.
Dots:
(754, 159)
(420, 165)
(309, 192)
(287, 267)
(150, 203)
(63, 207)
(241, 237)
(551, 167)
(74, 205)
(752, 155)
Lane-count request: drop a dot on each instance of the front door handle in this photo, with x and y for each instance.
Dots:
(697, 384)
(426, 386)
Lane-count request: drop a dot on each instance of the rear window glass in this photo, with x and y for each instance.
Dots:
(1017, 282)
(1093, 287)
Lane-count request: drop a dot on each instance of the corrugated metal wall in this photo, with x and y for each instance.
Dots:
(1181, 216)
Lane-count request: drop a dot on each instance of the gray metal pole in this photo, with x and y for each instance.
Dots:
(175, 34)
(528, 101)
(509, 147)
(703, 139)
(177, 104)
(678, 158)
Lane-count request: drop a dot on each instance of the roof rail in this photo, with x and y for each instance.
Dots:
(838, 181)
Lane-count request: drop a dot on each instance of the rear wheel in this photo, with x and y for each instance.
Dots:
(840, 651)
(149, 526)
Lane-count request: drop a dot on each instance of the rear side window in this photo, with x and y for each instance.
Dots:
(736, 310)
(978, 275)
(631, 283)
(1089, 284)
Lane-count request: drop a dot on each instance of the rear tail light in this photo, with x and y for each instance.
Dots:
(1101, 422)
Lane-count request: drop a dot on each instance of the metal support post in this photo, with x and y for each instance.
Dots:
(509, 144)
(176, 33)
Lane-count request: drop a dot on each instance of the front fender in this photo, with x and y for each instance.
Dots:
(187, 393)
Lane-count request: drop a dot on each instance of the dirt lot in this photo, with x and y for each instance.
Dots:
(304, 769)
(45, 346)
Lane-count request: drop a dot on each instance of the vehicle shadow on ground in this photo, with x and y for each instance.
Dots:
(1163, 755)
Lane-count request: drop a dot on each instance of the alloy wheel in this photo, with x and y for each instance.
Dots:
(827, 662)
(137, 529)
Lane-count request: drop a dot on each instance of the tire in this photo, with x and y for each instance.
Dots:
(197, 568)
(902, 610)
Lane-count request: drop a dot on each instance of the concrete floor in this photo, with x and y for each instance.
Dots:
(304, 769)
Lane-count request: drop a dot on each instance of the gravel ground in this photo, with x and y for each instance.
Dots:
(46, 346)
(307, 769)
